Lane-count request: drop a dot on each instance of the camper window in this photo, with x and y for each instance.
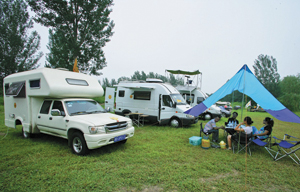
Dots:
(16, 89)
(121, 93)
(189, 98)
(45, 107)
(77, 82)
(200, 100)
(35, 83)
(6, 86)
(142, 95)
(167, 101)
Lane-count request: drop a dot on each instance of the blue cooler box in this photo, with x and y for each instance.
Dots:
(195, 140)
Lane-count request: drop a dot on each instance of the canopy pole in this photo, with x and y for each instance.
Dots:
(242, 105)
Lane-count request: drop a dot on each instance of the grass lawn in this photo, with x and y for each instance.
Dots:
(157, 158)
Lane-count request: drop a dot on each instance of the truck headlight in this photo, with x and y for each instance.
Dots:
(129, 123)
(189, 116)
(96, 129)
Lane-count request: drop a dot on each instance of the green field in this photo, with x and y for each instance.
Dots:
(157, 158)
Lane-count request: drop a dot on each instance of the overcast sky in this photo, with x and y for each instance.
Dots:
(216, 37)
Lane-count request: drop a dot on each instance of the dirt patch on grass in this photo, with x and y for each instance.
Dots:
(220, 176)
(1, 133)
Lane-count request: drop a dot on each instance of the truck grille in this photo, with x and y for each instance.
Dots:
(116, 126)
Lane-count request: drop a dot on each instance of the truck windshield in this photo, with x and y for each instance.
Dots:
(81, 107)
(178, 99)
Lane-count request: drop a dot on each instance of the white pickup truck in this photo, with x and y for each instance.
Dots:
(57, 102)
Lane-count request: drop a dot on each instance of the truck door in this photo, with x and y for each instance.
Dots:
(109, 97)
(167, 109)
(50, 123)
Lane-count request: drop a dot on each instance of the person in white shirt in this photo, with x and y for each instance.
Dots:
(247, 129)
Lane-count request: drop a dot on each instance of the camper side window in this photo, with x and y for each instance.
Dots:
(167, 101)
(17, 90)
(45, 107)
(6, 86)
(35, 83)
(200, 100)
(142, 95)
(121, 93)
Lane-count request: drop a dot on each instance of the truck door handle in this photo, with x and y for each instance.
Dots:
(67, 120)
(50, 118)
(163, 108)
(106, 101)
(39, 117)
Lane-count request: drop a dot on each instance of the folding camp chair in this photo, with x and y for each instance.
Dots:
(243, 143)
(214, 145)
(286, 147)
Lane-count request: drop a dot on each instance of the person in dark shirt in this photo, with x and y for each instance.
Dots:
(232, 121)
(266, 130)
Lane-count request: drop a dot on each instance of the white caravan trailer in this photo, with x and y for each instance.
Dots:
(160, 101)
(56, 102)
(191, 92)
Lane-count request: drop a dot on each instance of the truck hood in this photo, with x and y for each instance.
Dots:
(183, 107)
(101, 118)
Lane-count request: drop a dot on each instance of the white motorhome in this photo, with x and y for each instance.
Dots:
(161, 102)
(191, 92)
(195, 96)
(56, 102)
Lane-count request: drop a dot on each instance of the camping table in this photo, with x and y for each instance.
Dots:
(135, 120)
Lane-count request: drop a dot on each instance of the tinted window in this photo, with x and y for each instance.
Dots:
(45, 107)
(167, 101)
(58, 105)
(15, 88)
(121, 93)
(35, 83)
(77, 82)
(200, 100)
(189, 98)
(6, 87)
(142, 95)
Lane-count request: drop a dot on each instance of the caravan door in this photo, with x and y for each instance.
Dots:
(167, 109)
(109, 97)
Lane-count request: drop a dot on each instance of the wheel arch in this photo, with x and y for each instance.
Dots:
(71, 131)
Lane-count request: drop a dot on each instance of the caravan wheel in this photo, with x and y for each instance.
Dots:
(25, 133)
(175, 122)
(208, 116)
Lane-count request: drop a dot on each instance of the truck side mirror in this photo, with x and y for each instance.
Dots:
(55, 112)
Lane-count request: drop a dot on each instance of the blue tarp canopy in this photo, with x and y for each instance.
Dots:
(245, 82)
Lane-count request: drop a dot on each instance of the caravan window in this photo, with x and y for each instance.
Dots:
(77, 82)
(142, 95)
(189, 98)
(45, 107)
(200, 100)
(17, 90)
(35, 83)
(6, 86)
(121, 93)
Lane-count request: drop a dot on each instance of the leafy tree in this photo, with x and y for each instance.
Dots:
(265, 69)
(17, 49)
(79, 29)
(290, 87)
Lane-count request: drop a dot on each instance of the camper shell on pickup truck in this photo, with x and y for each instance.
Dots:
(56, 102)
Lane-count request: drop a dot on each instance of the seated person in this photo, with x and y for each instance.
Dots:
(247, 129)
(232, 121)
(266, 130)
(211, 127)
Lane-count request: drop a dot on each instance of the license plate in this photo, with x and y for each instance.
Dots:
(119, 138)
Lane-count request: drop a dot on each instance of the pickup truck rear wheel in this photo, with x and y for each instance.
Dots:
(79, 146)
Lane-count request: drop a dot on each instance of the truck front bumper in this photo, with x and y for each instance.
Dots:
(94, 141)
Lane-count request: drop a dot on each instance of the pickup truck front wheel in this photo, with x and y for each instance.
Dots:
(78, 144)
